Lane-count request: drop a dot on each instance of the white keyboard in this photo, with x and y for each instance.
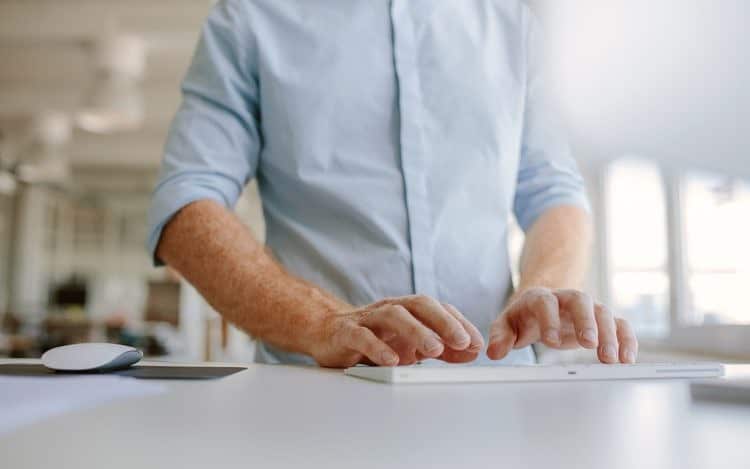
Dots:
(520, 373)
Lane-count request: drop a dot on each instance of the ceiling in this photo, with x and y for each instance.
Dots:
(44, 48)
(690, 104)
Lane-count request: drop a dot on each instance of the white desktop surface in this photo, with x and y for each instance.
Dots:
(289, 417)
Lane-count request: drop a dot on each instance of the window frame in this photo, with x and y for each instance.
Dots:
(727, 340)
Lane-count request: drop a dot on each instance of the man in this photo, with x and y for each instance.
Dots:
(391, 141)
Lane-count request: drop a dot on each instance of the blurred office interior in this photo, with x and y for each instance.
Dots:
(656, 96)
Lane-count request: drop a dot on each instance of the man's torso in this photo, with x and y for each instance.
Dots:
(391, 140)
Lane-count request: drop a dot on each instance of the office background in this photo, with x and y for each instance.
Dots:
(656, 96)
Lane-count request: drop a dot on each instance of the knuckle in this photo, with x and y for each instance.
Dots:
(362, 315)
(623, 326)
(423, 299)
(399, 310)
(537, 291)
(448, 325)
(544, 301)
(413, 331)
(397, 316)
(383, 302)
(602, 310)
(581, 297)
(452, 310)
(390, 313)
(587, 323)
(624, 329)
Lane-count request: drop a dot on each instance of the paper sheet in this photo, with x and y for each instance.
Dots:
(26, 400)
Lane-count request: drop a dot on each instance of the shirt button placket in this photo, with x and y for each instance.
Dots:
(413, 157)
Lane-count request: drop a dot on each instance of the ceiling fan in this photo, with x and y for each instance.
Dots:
(38, 155)
(112, 103)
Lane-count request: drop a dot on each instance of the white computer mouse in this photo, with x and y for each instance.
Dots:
(91, 357)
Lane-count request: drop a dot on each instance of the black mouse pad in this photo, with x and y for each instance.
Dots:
(179, 372)
(137, 371)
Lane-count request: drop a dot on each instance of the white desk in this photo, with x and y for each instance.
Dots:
(290, 417)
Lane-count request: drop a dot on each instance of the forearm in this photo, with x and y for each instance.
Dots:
(557, 249)
(218, 255)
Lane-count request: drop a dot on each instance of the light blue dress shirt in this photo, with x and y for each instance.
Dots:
(391, 141)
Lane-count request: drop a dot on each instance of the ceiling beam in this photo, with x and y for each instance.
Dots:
(65, 65)
(78, 20)
(142, 149)
(161, 101)
(122, 179)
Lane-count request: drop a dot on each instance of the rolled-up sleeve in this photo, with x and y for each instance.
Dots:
(548, 175)
(213, 144)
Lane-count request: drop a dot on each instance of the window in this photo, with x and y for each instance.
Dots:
(637, 245)
(717, 243)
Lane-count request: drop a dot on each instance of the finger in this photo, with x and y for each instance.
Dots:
(526, 326)
(568, 335)
(364, 341)
(477, 341)
(502, 338)
(458, 356)
(581, 308)
(608, 343)
(628, 341)
(545, 308)
(396, 319)
(407, 354)
(433, 315)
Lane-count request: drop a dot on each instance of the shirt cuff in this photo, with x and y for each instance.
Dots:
(173, 194)
(530, 215)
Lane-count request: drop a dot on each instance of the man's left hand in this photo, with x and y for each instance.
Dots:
(562, 319)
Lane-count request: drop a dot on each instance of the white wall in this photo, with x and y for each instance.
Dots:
(666, 79)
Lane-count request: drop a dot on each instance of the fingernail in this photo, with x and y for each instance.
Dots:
(629, 356)
(609, 351)
(461, 338)
(553, 336)
(589, 335)
(389, 357)
(431, 344)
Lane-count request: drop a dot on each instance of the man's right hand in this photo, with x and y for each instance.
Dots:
(397, 331)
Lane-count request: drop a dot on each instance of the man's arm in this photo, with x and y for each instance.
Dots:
(211, 153)
(213, 250)
(221, 258)
(557, 249)
(549, 205)
(548, 306)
